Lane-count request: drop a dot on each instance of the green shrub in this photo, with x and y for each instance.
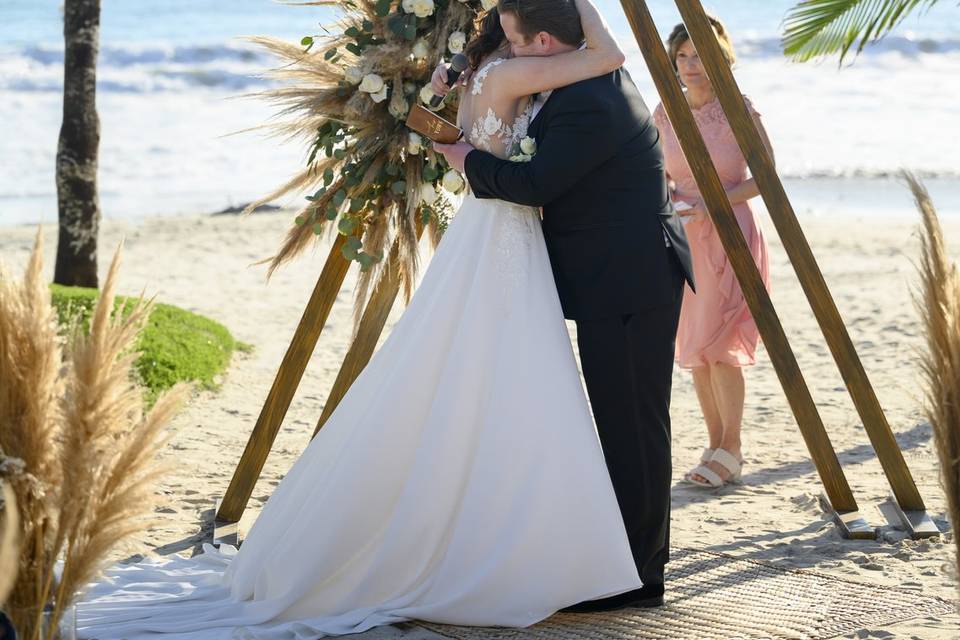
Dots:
(176, 345)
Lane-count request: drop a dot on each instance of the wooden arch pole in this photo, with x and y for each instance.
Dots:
(285, 384)
(758, 300)
(374, 319)
(368, 333)
(907, 496)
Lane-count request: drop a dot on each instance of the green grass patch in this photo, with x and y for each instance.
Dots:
(175, 345)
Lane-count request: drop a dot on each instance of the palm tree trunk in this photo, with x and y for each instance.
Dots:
(77, 200)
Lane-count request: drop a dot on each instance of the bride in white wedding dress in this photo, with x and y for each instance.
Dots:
(460, 480)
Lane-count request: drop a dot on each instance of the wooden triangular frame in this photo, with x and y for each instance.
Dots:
(906, 498)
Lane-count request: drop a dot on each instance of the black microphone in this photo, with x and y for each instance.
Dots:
(457, 66)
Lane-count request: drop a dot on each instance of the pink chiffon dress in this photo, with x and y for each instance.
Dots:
(715, 323)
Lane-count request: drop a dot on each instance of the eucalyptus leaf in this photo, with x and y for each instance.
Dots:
(410, 30)
(348, 252)
(347, 226)
(400, 187)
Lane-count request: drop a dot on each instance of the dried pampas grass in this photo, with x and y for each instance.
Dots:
(74, 415)
(366, 173)
(939, 305)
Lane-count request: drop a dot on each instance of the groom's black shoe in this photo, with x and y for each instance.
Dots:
(646, 597)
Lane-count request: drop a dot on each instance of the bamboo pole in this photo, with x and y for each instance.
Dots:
(801, 257)
(285, 385)
(718, 205)
(368, 333)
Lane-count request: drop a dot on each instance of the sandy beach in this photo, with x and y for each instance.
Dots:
(203, 264)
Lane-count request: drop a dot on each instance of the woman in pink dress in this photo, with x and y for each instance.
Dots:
(717, 336)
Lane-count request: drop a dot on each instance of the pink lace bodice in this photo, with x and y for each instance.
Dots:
(723, 148)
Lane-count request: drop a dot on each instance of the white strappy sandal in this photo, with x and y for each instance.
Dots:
(713, 480)
(704, 459)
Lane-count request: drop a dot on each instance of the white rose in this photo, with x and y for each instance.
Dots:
(381, 95)
(528, 146)
(426, 95)
(353, 75)
(371, 83)
(414, 144)
(407, 6)
(421, 49)
(488, 4)
(428, 193)
(452, 181)
(456, 42)
(422, 8)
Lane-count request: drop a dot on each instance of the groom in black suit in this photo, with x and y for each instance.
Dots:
(620, 259)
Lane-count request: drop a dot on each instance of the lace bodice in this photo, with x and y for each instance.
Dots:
(493, 124)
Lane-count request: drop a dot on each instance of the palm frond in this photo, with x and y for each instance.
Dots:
(817, 28)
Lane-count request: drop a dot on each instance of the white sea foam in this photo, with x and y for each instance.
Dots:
(167, 74)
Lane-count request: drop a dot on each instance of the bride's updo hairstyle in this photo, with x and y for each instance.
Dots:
(559, 18)
(679, 35)
(489, 37)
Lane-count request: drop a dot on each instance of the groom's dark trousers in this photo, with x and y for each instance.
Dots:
(620, 258)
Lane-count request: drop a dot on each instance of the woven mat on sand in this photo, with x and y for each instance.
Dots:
(712, 595)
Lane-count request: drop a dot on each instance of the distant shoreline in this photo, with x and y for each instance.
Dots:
(822, 196)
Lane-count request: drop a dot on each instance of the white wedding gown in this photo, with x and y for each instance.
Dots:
(460, 480)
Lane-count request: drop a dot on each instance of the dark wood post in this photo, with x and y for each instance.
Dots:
(368, 333)
(718, 205)
(285, 385)
(801, 257)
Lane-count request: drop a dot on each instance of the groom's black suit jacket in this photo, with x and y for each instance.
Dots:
(599, 175)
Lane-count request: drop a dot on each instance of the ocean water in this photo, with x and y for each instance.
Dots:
(172, 78)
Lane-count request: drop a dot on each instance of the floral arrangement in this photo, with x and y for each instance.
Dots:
(347, 93)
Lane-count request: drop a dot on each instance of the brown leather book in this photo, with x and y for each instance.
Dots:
(429, 124)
